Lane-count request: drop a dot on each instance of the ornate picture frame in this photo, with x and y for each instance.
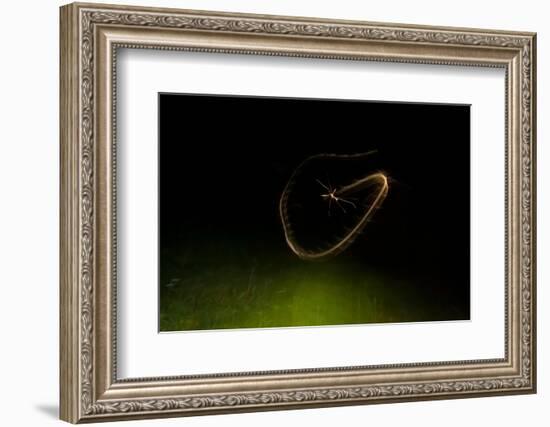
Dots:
(90, 37)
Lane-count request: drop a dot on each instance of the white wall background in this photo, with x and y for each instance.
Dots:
(29, 170)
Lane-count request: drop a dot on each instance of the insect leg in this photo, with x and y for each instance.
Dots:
(338, 203)
(347, 201)
(323, 185)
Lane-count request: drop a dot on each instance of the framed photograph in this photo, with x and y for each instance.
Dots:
(266, 212)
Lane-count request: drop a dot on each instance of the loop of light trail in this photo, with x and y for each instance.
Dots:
(338, 196)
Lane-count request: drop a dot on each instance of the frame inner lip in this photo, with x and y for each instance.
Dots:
(435, 365)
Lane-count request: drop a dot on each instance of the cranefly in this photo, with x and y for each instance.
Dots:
(376, 184)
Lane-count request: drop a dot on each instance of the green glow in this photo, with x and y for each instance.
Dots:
(225, 292)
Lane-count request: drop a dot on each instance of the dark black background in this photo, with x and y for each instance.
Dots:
(224, 162)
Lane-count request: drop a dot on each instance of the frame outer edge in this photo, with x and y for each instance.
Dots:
(533, 79)
(78, 340)
(69, 354)
(296, 19)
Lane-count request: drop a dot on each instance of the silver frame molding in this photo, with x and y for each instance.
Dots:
(90, 36)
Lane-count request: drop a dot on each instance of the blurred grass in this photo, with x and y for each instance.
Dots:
(226, 289)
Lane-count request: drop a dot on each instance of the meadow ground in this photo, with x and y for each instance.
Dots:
(225, 289)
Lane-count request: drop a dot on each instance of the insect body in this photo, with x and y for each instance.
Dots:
(331, 196)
